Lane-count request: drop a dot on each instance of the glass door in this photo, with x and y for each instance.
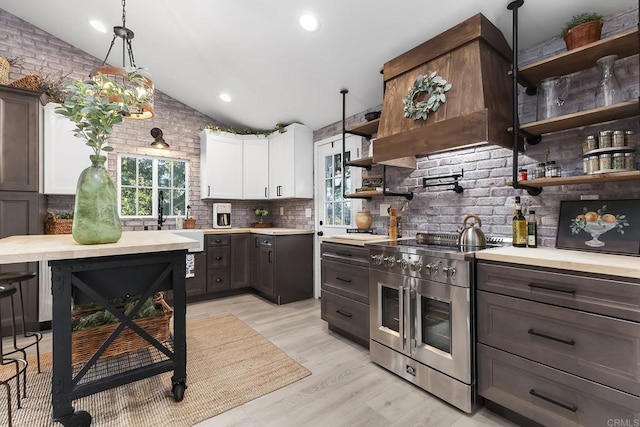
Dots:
(388, 299)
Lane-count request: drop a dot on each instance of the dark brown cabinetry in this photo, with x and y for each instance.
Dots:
(21, 207)
(240, 261)
(218, 262)
(197, 285)
(345, 290)
(558, 347)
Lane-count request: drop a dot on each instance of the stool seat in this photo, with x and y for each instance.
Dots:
(18, 276)
(7, 291)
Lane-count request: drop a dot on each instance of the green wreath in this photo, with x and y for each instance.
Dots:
(435, 86)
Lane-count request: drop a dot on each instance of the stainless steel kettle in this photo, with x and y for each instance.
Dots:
(472, 237)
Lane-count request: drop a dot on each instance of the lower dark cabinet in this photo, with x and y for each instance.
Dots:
(240, 261)
(197, 285)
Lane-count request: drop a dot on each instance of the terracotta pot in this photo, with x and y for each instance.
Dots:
(364, 219)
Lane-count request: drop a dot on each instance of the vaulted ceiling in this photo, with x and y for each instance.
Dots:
(256, 51)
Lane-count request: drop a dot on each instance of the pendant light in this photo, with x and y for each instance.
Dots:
(142, 86)
(159, 140)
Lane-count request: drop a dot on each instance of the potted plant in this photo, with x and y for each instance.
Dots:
(95, 106)
(582, 29)
(261, 212)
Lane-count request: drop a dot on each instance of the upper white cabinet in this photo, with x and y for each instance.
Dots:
(253, 167)
(291, 163)
(220, 165)
(255, 183)
(64, 155)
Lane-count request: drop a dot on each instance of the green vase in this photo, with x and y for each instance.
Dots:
(95, 218)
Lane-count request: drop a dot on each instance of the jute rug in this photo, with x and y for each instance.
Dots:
(228, 364)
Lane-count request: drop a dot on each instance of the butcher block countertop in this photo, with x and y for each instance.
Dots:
(270, 231)
(62, 246)
(355, 239)
(588, 262)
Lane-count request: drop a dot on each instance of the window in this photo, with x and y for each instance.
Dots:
(143, 179)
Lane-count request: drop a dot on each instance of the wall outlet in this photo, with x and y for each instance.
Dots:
(307, 212)
(384, 209)
(281, 210)
(589, 197)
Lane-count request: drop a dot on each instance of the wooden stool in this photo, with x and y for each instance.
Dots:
(7, 291)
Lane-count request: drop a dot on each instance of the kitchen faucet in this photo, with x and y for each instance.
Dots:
(160, 203)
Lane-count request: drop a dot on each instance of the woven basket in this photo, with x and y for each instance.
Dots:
(85, 343)
(30, 82)
(583, 34)
(4, 71)
(54, 225)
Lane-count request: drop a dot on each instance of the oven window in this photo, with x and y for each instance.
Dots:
(436, 324)
(391, 308)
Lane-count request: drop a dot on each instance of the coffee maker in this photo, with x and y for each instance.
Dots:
(222, 215)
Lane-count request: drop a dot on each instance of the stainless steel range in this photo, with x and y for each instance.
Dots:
(421, 298)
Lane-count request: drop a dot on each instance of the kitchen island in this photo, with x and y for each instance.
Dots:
(140, 263)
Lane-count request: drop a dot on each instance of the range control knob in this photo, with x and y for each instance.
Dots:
(404, 264)
(377, 259)
(433, 269)
(389, 261)
(449, 271)
(416, 266)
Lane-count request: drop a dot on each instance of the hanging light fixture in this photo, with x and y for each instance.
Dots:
(132, 77)
(159, 140)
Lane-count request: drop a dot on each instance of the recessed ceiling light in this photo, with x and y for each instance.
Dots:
(225, 97)
(98, 26)
(309, 22)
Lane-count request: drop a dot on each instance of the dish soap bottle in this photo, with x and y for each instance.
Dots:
(519, 224)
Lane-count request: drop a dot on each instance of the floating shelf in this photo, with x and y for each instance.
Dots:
(365, 194)
(365, 129)
(365, 162)
(581, 179)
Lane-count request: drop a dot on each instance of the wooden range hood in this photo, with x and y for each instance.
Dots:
(475, 58)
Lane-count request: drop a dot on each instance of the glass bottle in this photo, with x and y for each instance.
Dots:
(608, 91)
(532, 230)
(519, 224)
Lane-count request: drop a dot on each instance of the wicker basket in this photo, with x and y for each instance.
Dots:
(30, 82)
(583, 34)
(4, 71)
(85, 343)
(55, 225)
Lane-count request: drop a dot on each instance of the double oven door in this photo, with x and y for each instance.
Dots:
(427, 321)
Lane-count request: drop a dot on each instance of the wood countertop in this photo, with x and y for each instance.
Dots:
(588, 262)
(355, 239)
(270, 231)
(31, 248)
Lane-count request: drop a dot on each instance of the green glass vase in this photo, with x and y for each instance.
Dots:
(95, 218)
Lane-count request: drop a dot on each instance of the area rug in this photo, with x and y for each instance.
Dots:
(228, 364)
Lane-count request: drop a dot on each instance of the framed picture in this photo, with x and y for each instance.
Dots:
(611, 226)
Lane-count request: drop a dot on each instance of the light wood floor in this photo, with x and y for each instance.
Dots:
(345, 387)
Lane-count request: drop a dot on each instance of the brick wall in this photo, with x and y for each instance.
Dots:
(486, 169)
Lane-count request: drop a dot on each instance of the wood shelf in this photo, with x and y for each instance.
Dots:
(623, 44)
(582, 179)
(365, 162)
(583, 118)
(365, 129)
(365, 194)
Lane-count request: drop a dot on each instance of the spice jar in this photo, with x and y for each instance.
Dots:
(617, 161)
(594, 163)
(630, 161)
(605, 161)
(552, 169)
(585, 165)
(540, 170)
(630, 138)
(605, 139)
(590, 143)
(618, 138)
(522, 174)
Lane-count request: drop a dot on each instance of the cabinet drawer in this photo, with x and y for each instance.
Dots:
(345, 253)
(218, 240)
(218, 257)
(549, 396)
(346, 314)
(218, 280)
(599, 348)
(611, 296)
(346, 280)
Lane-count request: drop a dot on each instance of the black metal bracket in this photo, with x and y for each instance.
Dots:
(408, 196)
(533, 191)
(455, 177)
(532, 139)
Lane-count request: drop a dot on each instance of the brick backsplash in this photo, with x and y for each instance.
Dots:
(436, 209)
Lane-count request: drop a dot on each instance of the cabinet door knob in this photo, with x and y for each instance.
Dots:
(218, 258)
(218, 280)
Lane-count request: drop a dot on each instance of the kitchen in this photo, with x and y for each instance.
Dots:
(432, 210)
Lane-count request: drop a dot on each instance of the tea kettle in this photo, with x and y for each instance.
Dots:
(472, 237)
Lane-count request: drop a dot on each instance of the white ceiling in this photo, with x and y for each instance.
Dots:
(256, 51)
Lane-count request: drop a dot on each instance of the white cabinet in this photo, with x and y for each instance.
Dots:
(255, 165)
(220, 165)
(291, 163)
(64, 155)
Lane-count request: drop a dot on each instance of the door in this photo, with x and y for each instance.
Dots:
(388, 299)
(334, 213)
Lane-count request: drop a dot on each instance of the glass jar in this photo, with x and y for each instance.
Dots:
(605, 161)
(617, 161)
(594, 163)
(590, 143)
(618, 138)
(630, 161)
(608, 91)
(522, 174)
(605, 139)
(540, 170)
(630, 139)
(552, 169)
(585, 165)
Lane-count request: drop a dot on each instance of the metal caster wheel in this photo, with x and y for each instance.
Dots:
(178, 391)
(77, 419)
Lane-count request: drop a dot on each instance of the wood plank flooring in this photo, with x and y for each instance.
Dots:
(345, 388)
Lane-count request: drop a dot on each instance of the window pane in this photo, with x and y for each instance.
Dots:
(178, 202)
(337, 188)
(347, 213)
(328, 167)
(145, 172)
(164, 173)
(128, 201)
(329, 214)
(145, 205)
(179, 174)
(338, 214)
(128, 171)
(337, 164)
(329, 192)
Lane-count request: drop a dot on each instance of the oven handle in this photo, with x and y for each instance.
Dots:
(402, 319)
(409, 304)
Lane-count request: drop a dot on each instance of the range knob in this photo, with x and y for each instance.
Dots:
(416, 266)
(432, 269)
(389, 261)
(377, 259)
(404, 264)
(449, 271)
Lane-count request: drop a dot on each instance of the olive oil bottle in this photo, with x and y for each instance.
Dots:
(519, 223)
(532, 230)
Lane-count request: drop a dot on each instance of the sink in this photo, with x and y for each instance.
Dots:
(194, 234)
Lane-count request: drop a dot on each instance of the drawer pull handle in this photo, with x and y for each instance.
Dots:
(551, 337)
(553, 288)
(343, 254)
(218, 258)
(343, 280)
(218, 241)
(345, 314)
(572, 408)
(218, 280)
